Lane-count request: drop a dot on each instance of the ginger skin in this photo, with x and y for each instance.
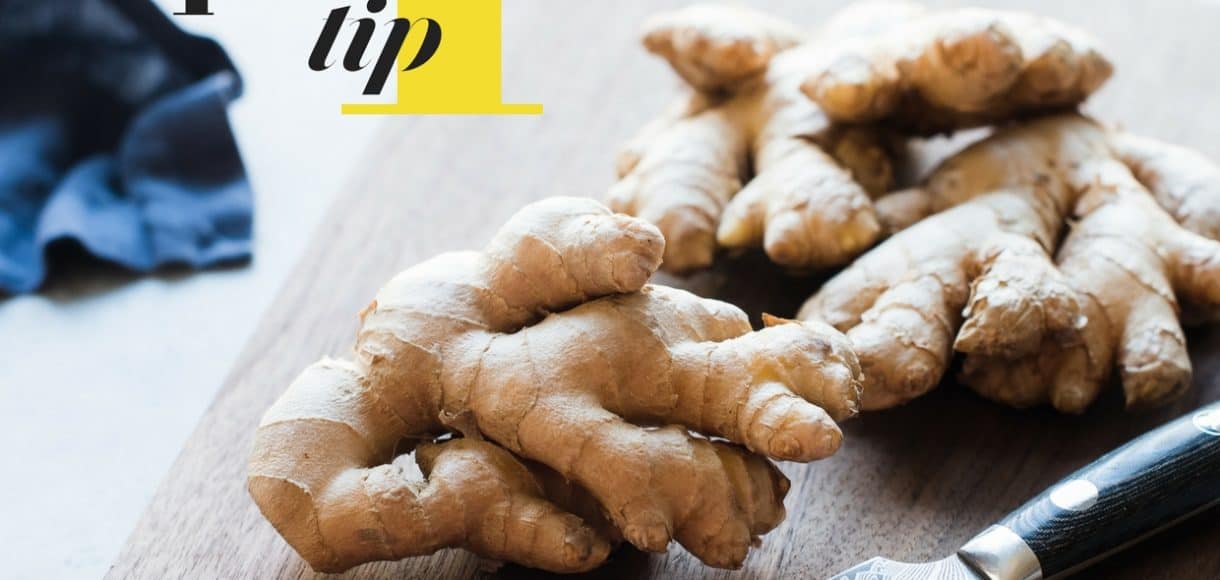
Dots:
(940, 71)
(1040, 320)
(748, 160)
(549, 344)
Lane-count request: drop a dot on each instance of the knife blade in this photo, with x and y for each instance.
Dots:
(1139, 489)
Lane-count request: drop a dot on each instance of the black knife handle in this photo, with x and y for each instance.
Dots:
(1145, 486)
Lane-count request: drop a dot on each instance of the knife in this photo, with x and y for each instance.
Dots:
(1141, 488)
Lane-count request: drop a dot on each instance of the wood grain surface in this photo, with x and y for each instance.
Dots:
(910, 484)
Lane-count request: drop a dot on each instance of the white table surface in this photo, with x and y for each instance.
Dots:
(104, 375)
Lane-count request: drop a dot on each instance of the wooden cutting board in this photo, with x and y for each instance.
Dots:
(911, 484)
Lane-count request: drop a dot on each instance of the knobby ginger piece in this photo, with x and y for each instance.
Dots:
(1039, 319)
(548, 346)
(942, 71)
(747, 159)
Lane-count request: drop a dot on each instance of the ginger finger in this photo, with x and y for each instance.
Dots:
(1196, 269)
(803, 208)
(338, 513)
(1184, 182)
(549, 537)
(1017, 298)
(681, 182)
(948, 70)
(717, 48)
(901, 304)
(632, 152)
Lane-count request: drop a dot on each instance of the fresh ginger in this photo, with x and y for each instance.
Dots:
(747, 159)
(980, 276)
(550, 345)
(941, 71)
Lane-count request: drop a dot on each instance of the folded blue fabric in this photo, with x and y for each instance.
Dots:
(114, 134)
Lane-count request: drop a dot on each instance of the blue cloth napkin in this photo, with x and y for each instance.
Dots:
(114, 134)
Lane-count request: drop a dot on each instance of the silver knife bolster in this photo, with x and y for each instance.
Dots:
(1000, 554)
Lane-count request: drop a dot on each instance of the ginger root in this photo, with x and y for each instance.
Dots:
(1039, 321)
(550, 345)
(941, 71)
(748, 160)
